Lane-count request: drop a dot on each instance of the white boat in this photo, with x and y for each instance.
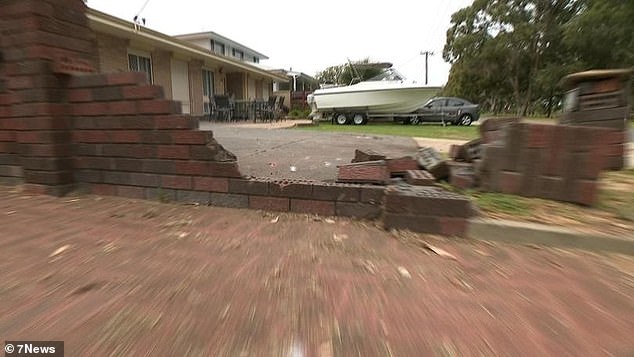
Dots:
(384, 95)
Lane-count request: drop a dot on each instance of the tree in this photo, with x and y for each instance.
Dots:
(512, 46)
(343, 74)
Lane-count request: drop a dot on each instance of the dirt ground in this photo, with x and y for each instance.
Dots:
(120, 277)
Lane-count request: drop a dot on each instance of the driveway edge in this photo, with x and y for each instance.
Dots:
(539, 234)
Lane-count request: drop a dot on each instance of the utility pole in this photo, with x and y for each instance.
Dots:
(427, 54)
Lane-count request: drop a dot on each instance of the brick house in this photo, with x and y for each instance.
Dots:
(187, 72)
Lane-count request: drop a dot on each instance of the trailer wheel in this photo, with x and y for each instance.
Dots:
(359, 119)
(341, 118)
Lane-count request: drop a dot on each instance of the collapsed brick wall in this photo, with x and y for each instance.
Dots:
(64, 126)
(557, 162)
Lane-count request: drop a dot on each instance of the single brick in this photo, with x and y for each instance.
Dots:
(142, 92)
(122, 108)
(398, 166)
(229, 200)
(176, 181)
(126, 78)
(195, 168)
(364, 172)
(337, 192)
(187, 196)
(224, 169)
(211, 184)
(125, 136)
(414, 223)
(361, 155)
(172, 151)
(190, 137)
(281, 204)
(175, 122)
(419, 178)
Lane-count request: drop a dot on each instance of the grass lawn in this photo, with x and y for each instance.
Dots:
(423, 131)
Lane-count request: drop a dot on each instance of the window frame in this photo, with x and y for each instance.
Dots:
(145, 56)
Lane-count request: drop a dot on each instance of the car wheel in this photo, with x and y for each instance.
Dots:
(341, 119)
(414, 120)
(358, 119)
(466, 120)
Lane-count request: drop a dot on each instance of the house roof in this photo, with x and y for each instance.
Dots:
(103, 22)
(217, 36)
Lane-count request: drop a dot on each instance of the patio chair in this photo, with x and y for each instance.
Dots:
(279, 108)
(268, 108)
(222, 108)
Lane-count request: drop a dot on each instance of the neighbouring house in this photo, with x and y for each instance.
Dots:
(187, 72)
(297, 88)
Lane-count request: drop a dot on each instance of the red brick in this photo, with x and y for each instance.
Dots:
(156, 137)
(538, 135)
(190, 137)
(48, 177)
(7, 99)
(372, 194)
(109, 93)
(159, 166)
(138, 179)
(225, 169)
(249, 186)
(126, 78)
(6, 135)
(339, 192)
(358, 210)
(122, 108)
(133, 122)
(510, 182)
(419, 178)
(364, 172)
(129, 150)
(42, 123)
(322, 208)
(175, 122)
(177, 182)
(91, 136)
(43, 136)
(173, 152)
(450, 226)
(125, 136)
(551, 188)
(289, 188)
(90, 109)
(103, 189)
(46, 150)
(143, 92)
(366, 155)
(196, 168)
(91, 162)
(400, 165)
(130, 192)
(211, 184)
(269, 203)
(87, 81)
(38, 109)
(414, 223)
(584, 192)
(157, 106)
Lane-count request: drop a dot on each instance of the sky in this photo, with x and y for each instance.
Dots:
(311, 36)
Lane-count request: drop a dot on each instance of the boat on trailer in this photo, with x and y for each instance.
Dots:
(385, 95)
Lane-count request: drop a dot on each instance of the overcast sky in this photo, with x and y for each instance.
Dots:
(310, 36)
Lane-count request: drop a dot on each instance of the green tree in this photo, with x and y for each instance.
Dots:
(507, 47)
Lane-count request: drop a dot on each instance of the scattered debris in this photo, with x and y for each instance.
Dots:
(340, 237)
(441, 252)
(293, 168)
(10, 212)
(276, 219)
(60, 250)
(404, 273)
(329, 220)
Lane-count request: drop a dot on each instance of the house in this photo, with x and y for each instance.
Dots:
(296, 89)
(188, 73)
(224, 46)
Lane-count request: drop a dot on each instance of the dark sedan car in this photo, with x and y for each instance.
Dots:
(456, 111)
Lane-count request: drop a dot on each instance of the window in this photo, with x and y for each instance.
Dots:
(455, 103)
(218, 47)
(256, 59)
(437, 103)
(138, 63)
(208, 90)
(238, 54)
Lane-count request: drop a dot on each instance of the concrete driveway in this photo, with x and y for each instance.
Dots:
(298, 154)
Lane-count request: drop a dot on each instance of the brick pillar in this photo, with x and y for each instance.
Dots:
(195, 69)
(42, 42)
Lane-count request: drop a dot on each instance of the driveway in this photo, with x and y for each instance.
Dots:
(298, 154)
(120, 277)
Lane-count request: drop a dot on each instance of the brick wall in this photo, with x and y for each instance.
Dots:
(557, 162)
(112, 53)
(64, 126)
